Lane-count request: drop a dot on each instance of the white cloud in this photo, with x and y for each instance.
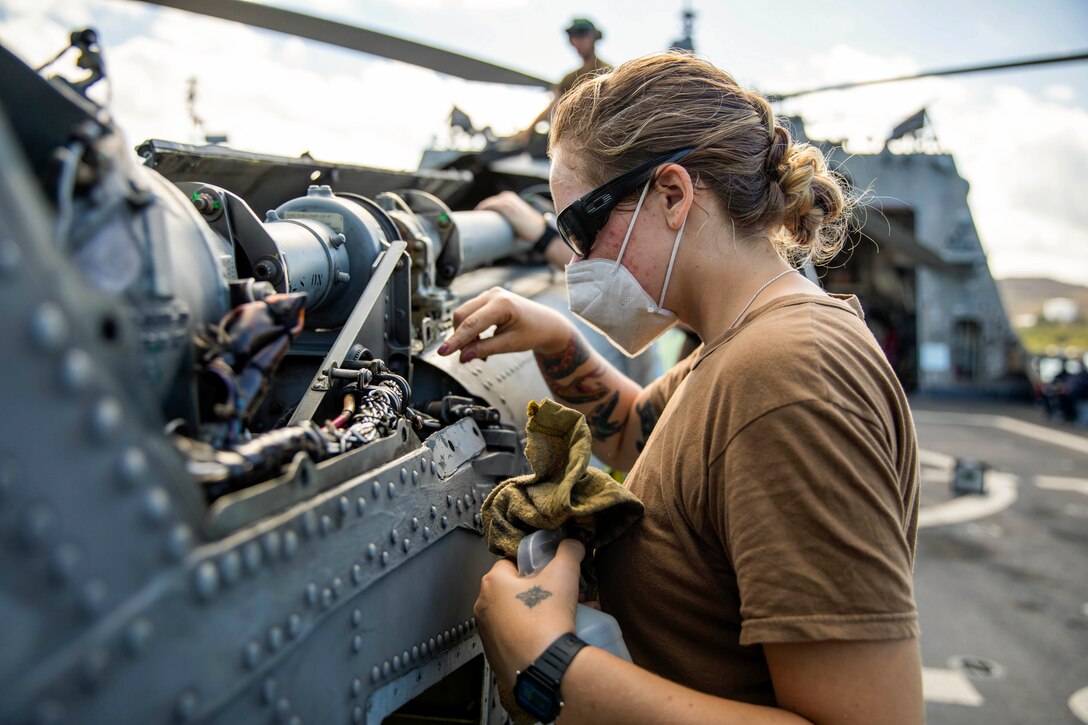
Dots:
(1060, 92)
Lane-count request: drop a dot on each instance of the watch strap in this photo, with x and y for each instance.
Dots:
(549, 233)
(554, 661)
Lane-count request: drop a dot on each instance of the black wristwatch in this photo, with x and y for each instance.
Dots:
(537, 688)
(545, 239)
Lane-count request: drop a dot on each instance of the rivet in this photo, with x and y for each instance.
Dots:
(36, 525)
(446, 637)
(360, 505)
(63, 562)
(415, 478)
(477, 520)
(472, 622)
(458, 506)
(404, 475)
(326, 525)
(283, 709)
(357, 618)
(434, 512)
(376, 489)
(270, 542)
(75, 370)
(94, 665)
(10, 257)
(137, 636)
(337, 586)
(404, 657)
(295, 720)
(460, 630)
(426, 533)
(252, 654)
(311, 594)
(230, 567)
(309, 523)
(186, 706)
(468, 501)
(375, 674)
(393, 536)
(344, 505)
(423, 649)
(386, 668)
(423, 465)
(251, 556)
(433, 468)
(371, 552)
(406, 544)
(431, 644)
(294, 625)
(268, 691)
(445, 522)
(396, 663)
(415, 524)
(133, 468)
(48, 328)
(356, 574)
(449, 501)
(93, 596)
(356, 687)
(275, 638)
(473, 495)
(357, 714)
(415, 653)
(206, 580)
(290, 543)
(357, 644)
(156, 505)
(179, 541)
(106, 419)
(326, 598)
(385, 558)
(392, 489)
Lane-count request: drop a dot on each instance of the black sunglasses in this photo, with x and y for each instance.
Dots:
(580, 222)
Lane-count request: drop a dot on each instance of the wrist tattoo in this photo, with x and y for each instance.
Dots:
(564, 363)
(600, 422)
(647, 416)
(583, 389)
(534, 596)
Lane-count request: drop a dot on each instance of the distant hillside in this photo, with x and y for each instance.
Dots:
(1026, 295)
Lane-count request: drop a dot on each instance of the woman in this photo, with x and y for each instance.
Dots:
(770, 579)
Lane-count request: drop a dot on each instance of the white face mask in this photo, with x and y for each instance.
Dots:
(609, 299)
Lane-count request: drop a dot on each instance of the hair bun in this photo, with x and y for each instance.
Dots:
(813, 201)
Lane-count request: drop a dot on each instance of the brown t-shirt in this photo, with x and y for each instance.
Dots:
(780, 486)
(576, 76)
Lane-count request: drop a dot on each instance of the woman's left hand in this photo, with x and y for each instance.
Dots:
(519, 617)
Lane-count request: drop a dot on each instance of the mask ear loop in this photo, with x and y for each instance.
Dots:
(672, 260)
(631, 226)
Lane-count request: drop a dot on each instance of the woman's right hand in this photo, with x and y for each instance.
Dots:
(520, 324)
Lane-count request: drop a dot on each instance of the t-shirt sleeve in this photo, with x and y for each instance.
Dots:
(807, 502)
(660, 391)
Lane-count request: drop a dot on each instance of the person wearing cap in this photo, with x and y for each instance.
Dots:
(583, 36)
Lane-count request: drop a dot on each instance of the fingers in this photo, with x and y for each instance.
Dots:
(570, 553)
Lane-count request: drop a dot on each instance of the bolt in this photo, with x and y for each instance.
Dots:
(356, 687)
(275, 638)
(406, 544)
(309, 523)
(311, 594)
(133, 467)
(375, 674)
(106, 419)
(156, 505)
(48, 327)
(342, 277)
(337, 586)
(75, 371)
(392, 489)
(294, 625)
(371, 552)
(270, 542)
(230, 567)
(326, 525)
(445, 522)
(343, 505)
(360, 505)
(357, 644)
(415, 478)
(356, 574)
(264, 269)
(326, 598)
(385, 558)
(426, 533)
(206, 580)
(179, 541)
(376, 489)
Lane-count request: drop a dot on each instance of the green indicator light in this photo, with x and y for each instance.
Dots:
(196, 195)
(443, 217)
(216, 204)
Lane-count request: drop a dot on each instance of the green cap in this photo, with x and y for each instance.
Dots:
(584, 25)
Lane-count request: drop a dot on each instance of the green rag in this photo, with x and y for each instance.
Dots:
(563, 490)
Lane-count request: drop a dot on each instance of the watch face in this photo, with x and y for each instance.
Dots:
(536, 698)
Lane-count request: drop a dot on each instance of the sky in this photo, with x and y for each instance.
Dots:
(1020, 138)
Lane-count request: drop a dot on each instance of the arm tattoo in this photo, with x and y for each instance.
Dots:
(534, 596)
(564, 363)
(583, 389)
(647, 416)
(599, 420)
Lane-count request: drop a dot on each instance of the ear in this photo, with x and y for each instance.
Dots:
(677, 193)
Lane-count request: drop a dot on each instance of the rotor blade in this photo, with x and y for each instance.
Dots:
(355, 38)
(1024, 63)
